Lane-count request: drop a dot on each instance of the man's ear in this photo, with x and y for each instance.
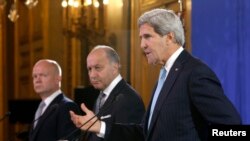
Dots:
(170, 36)
(116, 66)
(59, 78)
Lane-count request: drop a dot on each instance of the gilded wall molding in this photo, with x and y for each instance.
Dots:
(150, 4)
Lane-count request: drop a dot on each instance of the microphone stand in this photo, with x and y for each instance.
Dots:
(86, 131)
(77, 137)
(71, 133)
(51, 109)
(98, 118)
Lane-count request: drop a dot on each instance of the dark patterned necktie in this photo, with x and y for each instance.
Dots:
(100, 101)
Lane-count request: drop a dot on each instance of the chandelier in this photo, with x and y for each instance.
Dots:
(77, 3)
(83, 16)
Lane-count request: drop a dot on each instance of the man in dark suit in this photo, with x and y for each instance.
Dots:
(191, 97)
(121, 103)
(52, 121)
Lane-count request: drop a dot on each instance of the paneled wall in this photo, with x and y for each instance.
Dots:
(50, 31)
(3, 122)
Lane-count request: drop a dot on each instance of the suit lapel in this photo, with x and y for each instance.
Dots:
(105, 109)
(113, 97)
(145, 127)
(46, 114)
(166, 89)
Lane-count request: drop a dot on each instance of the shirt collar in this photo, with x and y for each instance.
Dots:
(172, 59)
(49, 99)
(112, 85)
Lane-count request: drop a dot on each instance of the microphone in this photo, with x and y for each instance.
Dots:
(24, 132)
(99, 117)
(7, 114)
(75, 130)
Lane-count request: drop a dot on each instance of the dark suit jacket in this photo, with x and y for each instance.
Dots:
(191, 99)
(55, 123)
(124, 105)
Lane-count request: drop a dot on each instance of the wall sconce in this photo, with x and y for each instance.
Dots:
(31, 3)
(181, 11)
(2, 4)
(76, 3)
(79, 15)
(180, 7)
(13, 14)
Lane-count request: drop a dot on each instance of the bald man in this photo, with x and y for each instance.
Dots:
(118, 102)
(52, 120)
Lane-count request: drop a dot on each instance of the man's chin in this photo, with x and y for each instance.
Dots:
(152, 63)
(38, 91)
(97, 87)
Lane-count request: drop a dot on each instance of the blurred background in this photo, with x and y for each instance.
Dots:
(217, 32)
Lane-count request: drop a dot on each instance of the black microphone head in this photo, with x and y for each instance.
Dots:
(118, 97)
(8, 113)
(54, 106)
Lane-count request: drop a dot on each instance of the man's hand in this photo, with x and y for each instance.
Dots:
(79, 120)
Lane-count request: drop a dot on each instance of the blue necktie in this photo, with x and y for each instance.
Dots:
(161, 80)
